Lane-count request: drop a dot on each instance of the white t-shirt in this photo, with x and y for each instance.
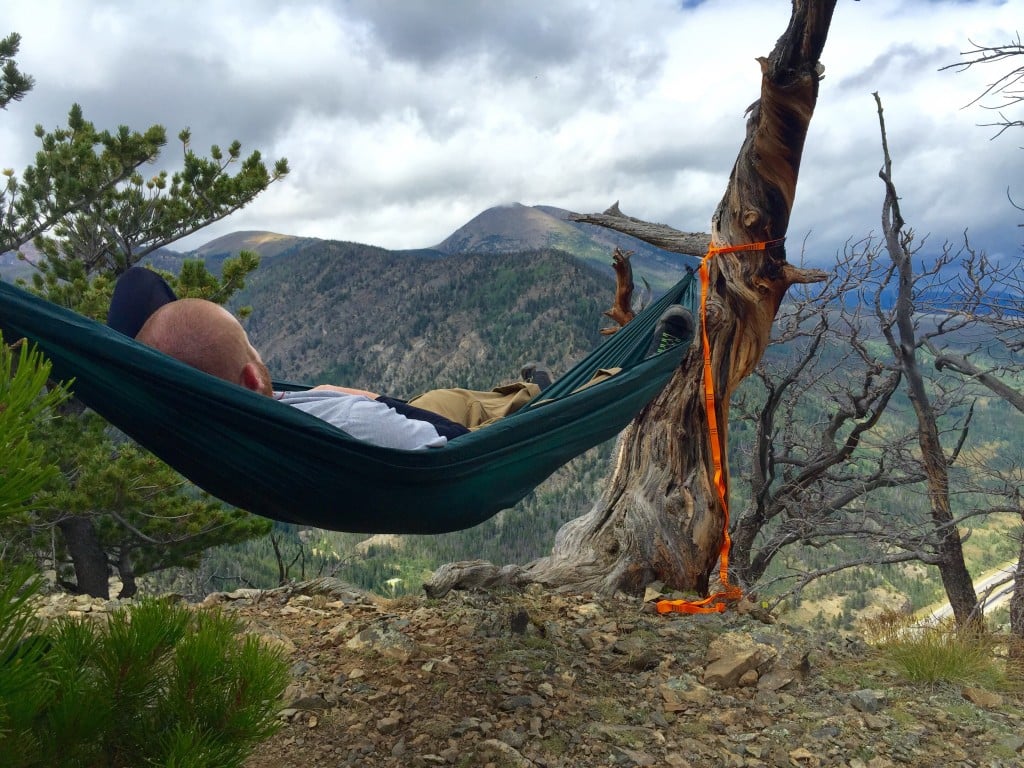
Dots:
(364, 419)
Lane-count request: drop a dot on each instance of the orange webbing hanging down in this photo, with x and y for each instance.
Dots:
(714, 603)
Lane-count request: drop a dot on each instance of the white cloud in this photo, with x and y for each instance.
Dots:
(402, 120)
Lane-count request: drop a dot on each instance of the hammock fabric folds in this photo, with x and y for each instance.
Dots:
(275, 461)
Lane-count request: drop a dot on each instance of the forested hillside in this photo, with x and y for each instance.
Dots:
(398, 323)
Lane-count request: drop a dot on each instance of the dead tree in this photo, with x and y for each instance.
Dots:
(660, 518)
(902, 340)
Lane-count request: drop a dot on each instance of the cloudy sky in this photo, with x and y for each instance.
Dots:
(403, 119)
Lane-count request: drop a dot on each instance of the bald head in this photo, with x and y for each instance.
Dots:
(208, 337)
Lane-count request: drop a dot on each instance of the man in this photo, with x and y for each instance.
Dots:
(208, 337)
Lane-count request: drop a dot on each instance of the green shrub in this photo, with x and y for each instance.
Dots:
(22, 675)
(157, 685)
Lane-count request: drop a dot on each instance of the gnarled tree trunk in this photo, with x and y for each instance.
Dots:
(660, 517)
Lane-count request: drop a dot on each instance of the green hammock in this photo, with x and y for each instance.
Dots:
(276, 461)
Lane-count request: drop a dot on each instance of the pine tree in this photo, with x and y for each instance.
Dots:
(14, 84)
(90, 213)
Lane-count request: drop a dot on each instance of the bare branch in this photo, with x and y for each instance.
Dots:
(659, 235)
(1006, 83)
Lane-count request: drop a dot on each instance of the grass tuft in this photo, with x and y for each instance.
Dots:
(942, 653)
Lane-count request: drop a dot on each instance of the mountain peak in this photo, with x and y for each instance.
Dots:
(514, 228)
(506, 228)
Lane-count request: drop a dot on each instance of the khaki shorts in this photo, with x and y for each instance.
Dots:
(473, 408)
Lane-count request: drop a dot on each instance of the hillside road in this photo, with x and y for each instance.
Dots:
(985, 587)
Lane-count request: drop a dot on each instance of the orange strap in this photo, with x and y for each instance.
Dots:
(714, 603)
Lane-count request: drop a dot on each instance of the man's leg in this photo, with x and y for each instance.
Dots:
(138, 294)
(473, 408)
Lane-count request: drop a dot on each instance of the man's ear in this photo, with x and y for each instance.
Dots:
(253, 379)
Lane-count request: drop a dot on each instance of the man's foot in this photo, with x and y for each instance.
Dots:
(675, 326)
(536, 373)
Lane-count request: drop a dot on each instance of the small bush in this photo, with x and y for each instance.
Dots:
(158, 685)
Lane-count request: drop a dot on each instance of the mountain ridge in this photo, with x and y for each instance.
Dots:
(496, 231)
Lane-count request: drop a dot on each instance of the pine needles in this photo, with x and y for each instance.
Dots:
(157, 685)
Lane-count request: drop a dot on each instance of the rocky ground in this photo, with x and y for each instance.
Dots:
(535, 679)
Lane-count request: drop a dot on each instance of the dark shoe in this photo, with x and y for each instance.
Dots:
(675, 326)
(536, 373)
